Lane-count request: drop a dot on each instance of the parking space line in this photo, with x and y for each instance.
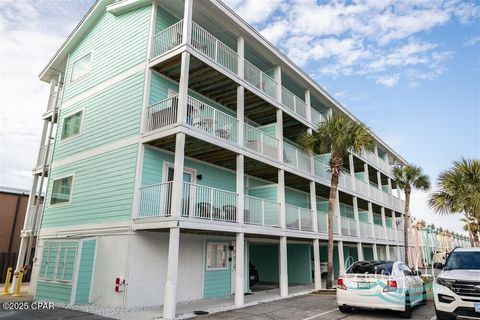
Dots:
(320, 314)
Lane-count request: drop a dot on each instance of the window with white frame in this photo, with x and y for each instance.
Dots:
(72, 125)
(61, 190)
(216, 256)
(81, 67)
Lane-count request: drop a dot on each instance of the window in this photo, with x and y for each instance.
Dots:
(61, 190)
(71, 125)
(216, 256)
(371, 267)
(81, 67)
(58, 260)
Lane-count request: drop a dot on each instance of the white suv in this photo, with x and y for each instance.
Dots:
(456, 289)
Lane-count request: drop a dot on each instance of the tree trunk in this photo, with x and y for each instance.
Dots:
(331, 210)
(406, 223)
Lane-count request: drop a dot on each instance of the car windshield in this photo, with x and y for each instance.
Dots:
(463, 260)
(371, 267)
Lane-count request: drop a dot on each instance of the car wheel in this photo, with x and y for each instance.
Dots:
(345, 309)
(424, 295)
(407, 314)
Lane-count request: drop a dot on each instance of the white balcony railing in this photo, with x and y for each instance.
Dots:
(382, 164)
(322, 220)
(42, 153)
(316, 117)
(53, 99)
(362, 187)
(398, 204)
(366, 230)
(213, 121)
(296, 157)
(349, 227)
(379, 231)
(375, 193)
(298, 218)
(294, 103)
(155, 200)
(261, 212)
(387, 198)
(161, 114)
(209, 203)
(322, 170)
(167, 39)
(261, 142)
(210, 46)
(391, 233)
(30, 216)
(259, 79)
(345, 181)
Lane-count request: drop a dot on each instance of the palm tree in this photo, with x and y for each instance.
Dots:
(407, 178)
(473, 229)
(337, 136)
(459, 192)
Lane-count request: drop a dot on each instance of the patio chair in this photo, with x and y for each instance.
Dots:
(230, 212)
(203, 210)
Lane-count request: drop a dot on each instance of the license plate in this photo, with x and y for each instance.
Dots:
(363, 285)
(477, 307)
(252, 277)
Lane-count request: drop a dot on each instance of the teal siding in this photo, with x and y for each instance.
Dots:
(367, 252)
(85, 271)
(217, 283)
(265, 258)
(267, 192)
(297, 198)
(164, 19)
(102, 189)
(269, 128)
(112, 115)
(53, 292)
(351, 255)
(346, 211)
(117, 44)
(324, 256)
(299, 264)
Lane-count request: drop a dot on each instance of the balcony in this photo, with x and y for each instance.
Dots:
(379, 231)
(296, 158)
(387, 198)
(260, 142)
(391, 233)
(398, 204)
(30, 217)
(316, 117)
(322, 170)
(349, 227)
(362, 188)
(298, 218)
(52, 100)
(227, 58)
(261, 212)
(345, 181)
(366, 230)
(42, 154)
(375, 194)
(322, 220)
(199, 115)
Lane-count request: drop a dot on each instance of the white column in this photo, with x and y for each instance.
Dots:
(183, 88)
(151, 32)
(283, 267)
(384, 222)
(239, 271)
(337, 212)
(375, 252)
(367, 177)
(240, 114)
(389, 181)
(169, 301)
(317, 272)
(241, 57)
(279, 134)
(178, 167)
(278, 79)
(22, 251)
(399, 254)
(341, 257)
(309, 107)
(356, 215)
(352, 170)
(313, 205)
(360, 251)
(379, 181)
(240, 187)
(370, 218)
(281, 196)
(187, 22)
(387, 252)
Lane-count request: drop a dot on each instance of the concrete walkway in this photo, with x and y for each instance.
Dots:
(186, 310)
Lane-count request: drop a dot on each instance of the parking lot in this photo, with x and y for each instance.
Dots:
(310, 307)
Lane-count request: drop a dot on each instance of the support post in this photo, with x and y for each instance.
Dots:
(341, 258)
(281, 197)
(241, 57)
(278, 79)
(283, 267)
(279, 134)
(375, 252)
(240, 189)
(239, 269)
(187, 22)
(178, 168)
(317, 272)
(360, 251)
(170, 300)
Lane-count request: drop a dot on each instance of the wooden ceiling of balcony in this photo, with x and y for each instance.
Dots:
(216, 86)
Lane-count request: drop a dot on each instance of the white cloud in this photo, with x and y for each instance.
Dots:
(472, 41)
(388, 81)
(254, 11)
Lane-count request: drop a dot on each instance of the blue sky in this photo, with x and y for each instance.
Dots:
(410, 69)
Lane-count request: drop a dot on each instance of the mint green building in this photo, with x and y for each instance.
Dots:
(170, 164)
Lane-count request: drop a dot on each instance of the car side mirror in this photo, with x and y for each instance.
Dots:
(438, 265)
(417, 273)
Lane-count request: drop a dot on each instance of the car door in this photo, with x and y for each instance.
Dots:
(411, 284)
